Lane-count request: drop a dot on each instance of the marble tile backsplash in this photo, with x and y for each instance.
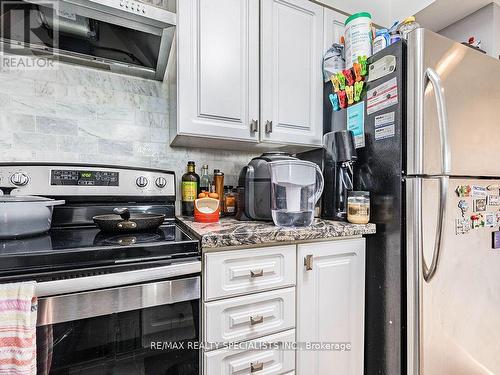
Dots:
(78, 114)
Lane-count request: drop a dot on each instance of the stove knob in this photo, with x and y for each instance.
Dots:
(161, 182)
(141, 181)
(19, 179)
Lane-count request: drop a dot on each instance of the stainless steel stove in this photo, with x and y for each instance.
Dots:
(106, 300)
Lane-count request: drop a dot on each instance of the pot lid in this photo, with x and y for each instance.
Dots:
(22, 198)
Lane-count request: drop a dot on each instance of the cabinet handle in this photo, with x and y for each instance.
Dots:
(269, 126)
(257, 273)
(254, 126)
(308, 262)
(256, 366)
(258, 319)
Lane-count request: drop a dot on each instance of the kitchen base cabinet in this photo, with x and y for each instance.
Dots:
(272, 357)
(330, 306)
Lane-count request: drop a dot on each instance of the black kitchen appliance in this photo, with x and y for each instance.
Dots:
(338, 171)
(137, 291)
(254, 192)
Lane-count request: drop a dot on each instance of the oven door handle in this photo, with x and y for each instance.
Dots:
(78, 306)
(112, 280)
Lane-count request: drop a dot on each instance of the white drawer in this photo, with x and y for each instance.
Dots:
(247, 317)
(272, 360)
(232, 273)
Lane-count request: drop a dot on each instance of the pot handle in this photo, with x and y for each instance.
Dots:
(6, 190)
(123, 212)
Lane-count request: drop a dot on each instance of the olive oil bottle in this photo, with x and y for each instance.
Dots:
(190, 188)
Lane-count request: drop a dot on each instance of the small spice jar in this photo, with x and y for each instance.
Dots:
(229, 201)
(358, 207)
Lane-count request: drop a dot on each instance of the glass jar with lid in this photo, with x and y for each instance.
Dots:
(358, 207)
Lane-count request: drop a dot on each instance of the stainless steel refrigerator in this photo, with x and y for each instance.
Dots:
(431, 132)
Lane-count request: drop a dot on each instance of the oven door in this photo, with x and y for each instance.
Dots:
(146, 328)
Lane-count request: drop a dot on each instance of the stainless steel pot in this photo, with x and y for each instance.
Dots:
(25, 215)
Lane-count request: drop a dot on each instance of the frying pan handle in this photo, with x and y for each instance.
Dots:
(123, 212)
(6, 190)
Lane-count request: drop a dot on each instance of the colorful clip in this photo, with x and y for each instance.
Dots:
(357, 71)
(358, 88)
(335, 82)
(334, 99)
(342, 99)
(348, 76)
(349, 90)
(341, 79)
(364, 68)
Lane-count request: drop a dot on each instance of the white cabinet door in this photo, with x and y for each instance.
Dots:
(291, 72)
(330, 306)
(333, 28)
(248, 317)
(269, 355)
(233, 273)
(218, 68)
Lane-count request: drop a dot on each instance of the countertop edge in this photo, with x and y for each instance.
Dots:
(270, 235)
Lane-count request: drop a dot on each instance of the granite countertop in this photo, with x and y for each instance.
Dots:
(231, 232)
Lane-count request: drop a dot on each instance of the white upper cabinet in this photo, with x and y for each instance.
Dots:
(330, 306)
(333, 29)
(218, 69)
(291, 72)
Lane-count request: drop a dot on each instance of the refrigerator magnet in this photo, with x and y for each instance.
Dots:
(464, 206)
(496, 240)
(490, 220)
(463, 225)
(478, 191)
(463, 191)
(477, 221)
(493, 200)
(480, 205)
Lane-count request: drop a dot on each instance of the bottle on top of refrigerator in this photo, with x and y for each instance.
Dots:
(205, 179)
(189, 188)
(382, 40)
(407, 26)
(358, 37)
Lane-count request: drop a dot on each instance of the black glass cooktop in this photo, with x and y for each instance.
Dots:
(77, 247)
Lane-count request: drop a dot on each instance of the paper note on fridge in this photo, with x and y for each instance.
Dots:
(382, 96)
(356, 123)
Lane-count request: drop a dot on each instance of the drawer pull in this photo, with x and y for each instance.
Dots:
(256, 320)
(257, 273)
(256, 366)
(308, 262)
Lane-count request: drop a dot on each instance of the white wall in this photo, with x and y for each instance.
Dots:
(379, 9)
(77, 114)
(384, 12)
(400, 9)
(480, 24)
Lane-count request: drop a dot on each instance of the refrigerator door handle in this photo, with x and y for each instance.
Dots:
(429, 272)
(435, 80)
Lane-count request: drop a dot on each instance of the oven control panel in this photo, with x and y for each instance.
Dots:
(85, 178)
(81, 180)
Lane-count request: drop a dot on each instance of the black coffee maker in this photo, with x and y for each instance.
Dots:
(339, 158)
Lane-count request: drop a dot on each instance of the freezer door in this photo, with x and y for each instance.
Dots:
(453, 106)
(453, 314)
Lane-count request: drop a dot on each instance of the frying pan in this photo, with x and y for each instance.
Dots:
(123, 221)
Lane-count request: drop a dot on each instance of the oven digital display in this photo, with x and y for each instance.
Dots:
(84, 178)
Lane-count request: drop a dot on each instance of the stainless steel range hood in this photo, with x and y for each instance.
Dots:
(124, 36)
